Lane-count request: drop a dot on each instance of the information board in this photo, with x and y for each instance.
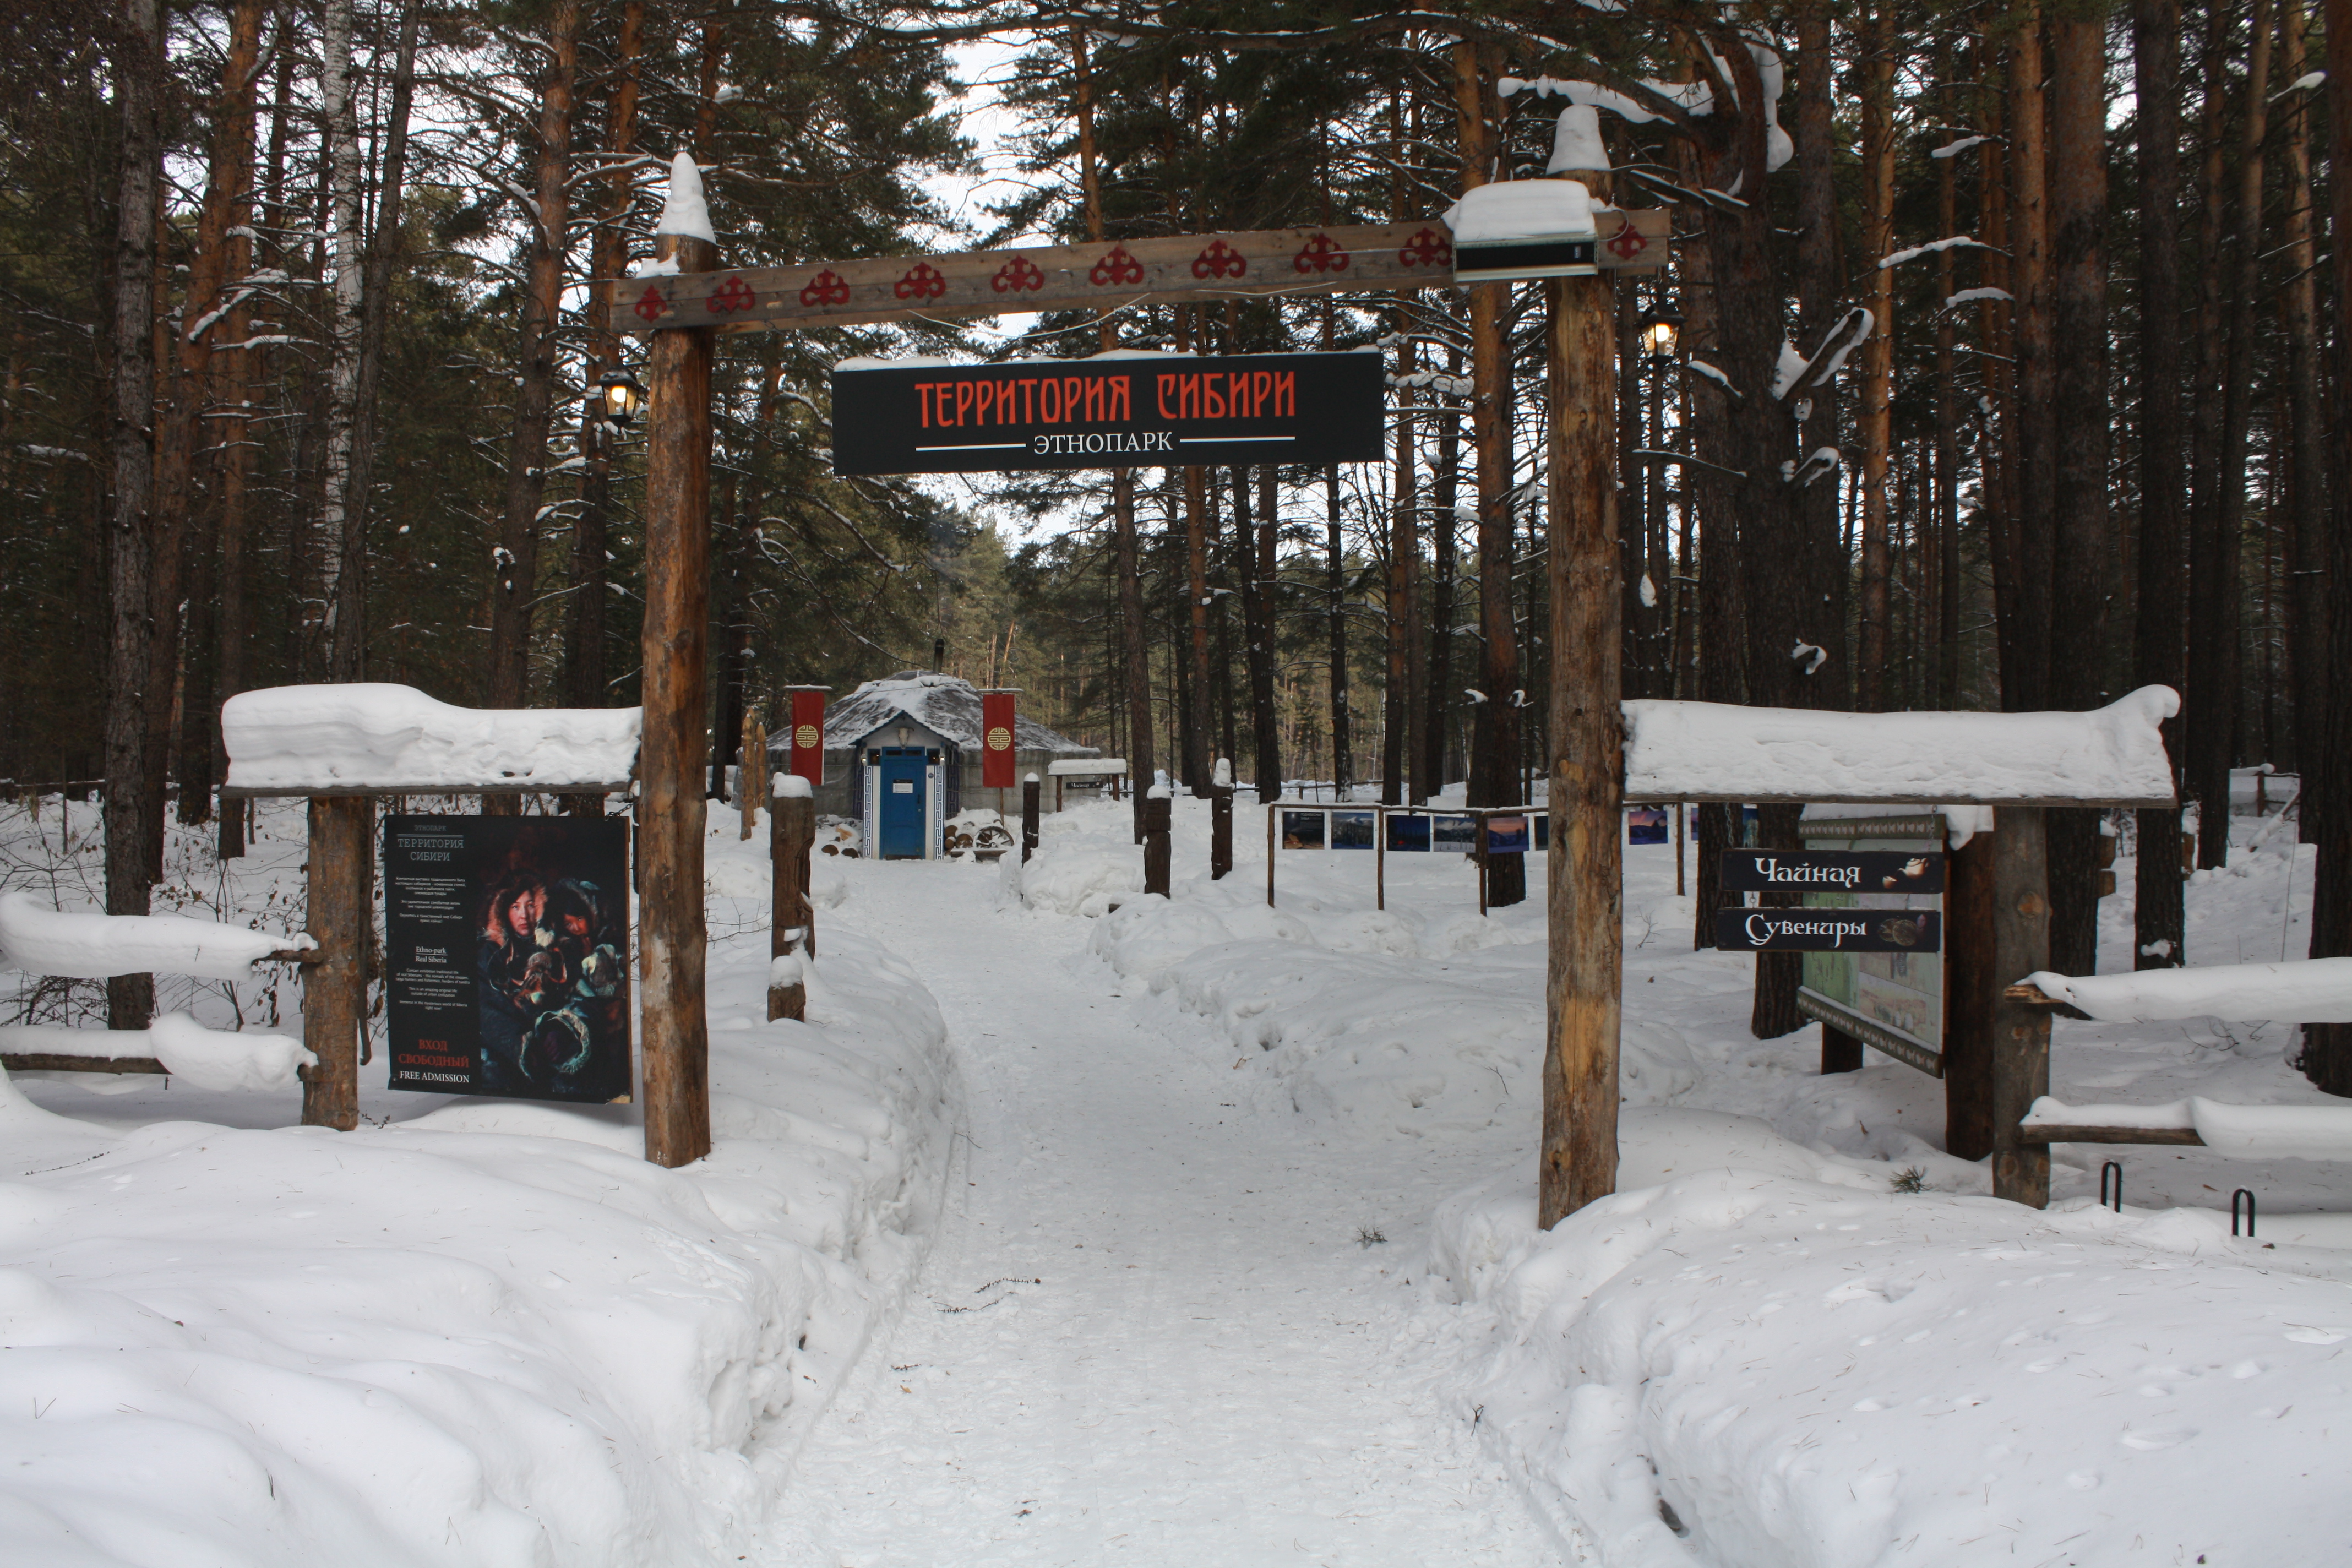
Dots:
(1832, 871)
(1149, 411)
(1890, 997)
(507, 951)
(1827, 930)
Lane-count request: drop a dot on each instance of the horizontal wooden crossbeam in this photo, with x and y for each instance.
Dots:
(2056, 1134)
(58, 1061)
(390, 792)
(1185, 268)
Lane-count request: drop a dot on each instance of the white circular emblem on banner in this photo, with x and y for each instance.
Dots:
(999, 739)
(806, 738)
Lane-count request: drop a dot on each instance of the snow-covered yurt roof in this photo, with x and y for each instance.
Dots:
(944, 703)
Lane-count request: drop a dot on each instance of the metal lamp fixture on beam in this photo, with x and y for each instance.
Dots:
(620, 397)
(1661, 331)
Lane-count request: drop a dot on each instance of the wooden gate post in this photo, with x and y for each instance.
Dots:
(792, 917)
(1031, 789)
(1157, 808)
(1588, 745)
(671, 937)
(1271, 846)
(1972, 985)
(2020, 1030)
(1221, 831)
(339, 918)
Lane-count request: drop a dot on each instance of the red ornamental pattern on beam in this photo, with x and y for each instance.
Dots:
(1180, 268)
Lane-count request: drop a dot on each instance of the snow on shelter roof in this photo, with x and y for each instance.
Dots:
(373, 736)
(1713, 750)
(944, 703)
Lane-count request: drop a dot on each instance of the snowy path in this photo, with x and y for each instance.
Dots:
(1148, 1328)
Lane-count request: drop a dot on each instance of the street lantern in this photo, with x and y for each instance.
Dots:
(1661, 330)
(620, 395)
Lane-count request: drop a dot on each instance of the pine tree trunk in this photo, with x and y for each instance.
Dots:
(2213, 742)
(584, 644)
(1876, 69)
(1494, 720)
(2209, 703)
(2025, 683)
(1720, 642)
(177, 502)
(1197, 549)
(131, 799)
(1635, 479)
(2328, 1048)
(1403, 782)
(1262, 671)
(1335, 579)
(2308, 599)
(2078, 295)
(734, 640)
(1819, 300)
(340, 546)
(1258, 666)
(517, 578)
(1947, 499)
(347, 653)
(1135, 659)
(1439, 687)
(1996, 324)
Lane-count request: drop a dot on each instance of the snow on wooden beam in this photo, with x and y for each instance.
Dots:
(372, 738)
(39, 940)
(2113, 756)
(2243, 1132)
(174, 1045)
(2297, 990)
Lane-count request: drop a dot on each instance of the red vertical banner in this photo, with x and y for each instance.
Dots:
(997, 740)
(808, 736)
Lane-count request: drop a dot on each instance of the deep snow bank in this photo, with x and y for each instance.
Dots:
(493, 1334)
(1746, 1365)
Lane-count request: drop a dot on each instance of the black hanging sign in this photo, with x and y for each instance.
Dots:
(1831, 871)
(507, 952)
(1116, 412)
(1829, 931)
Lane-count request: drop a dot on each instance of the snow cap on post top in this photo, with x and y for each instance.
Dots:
(1576, 143)
(684, 212)
(789, 787)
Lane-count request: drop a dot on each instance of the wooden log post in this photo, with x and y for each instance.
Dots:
(792, 917)
(1971, 976)
(1586, 863)
(1841, 1052)
(2020, 1030)
(671, 936)
(1221, 831)
(751, 773)
(1271, 845)
(334, 989)
(1031, 804)
(1157, 808)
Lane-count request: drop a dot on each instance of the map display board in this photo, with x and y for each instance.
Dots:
(1892, 997)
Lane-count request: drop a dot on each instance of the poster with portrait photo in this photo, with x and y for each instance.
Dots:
(507, 953)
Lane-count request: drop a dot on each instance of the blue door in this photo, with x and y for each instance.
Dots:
(904, 802)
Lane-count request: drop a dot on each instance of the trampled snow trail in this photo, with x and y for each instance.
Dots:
(1149, 1330)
